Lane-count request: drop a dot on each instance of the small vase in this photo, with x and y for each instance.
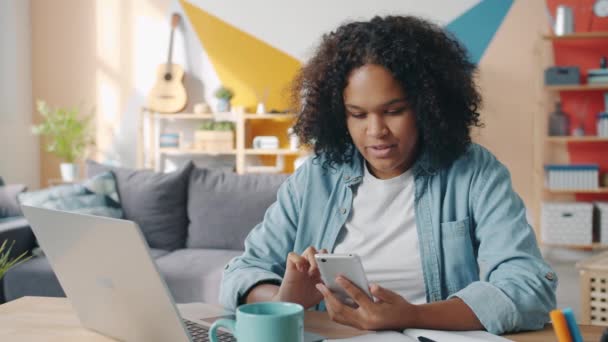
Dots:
(69, 172)
(223, 105)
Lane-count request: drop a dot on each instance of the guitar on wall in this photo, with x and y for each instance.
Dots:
(168, 94)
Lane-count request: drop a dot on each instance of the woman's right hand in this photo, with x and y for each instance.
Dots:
(301, 276)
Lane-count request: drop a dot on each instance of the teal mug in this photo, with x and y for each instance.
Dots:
(264, 322)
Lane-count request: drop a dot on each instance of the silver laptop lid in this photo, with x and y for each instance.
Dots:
(107, 273)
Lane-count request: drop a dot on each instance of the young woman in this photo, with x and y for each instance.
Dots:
(388, 105)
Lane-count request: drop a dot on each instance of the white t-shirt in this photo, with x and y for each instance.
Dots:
(381, 229)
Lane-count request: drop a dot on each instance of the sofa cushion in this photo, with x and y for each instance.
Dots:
(194, 275)
(223, 207)
(35, 277)
(155, 201)
(9, 205)
(95, 196)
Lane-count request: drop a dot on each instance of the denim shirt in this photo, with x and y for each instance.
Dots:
(475, 241)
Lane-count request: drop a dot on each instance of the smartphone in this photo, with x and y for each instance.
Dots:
(347, 265)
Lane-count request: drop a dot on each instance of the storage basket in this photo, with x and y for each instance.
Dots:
(567, 223)
(214, 141)
(594, 289)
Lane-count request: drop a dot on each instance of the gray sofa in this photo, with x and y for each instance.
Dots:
(194, 220)
(13, 226)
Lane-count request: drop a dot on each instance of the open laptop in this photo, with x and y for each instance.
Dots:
(105, 269)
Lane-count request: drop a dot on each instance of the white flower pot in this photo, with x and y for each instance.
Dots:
(69, 172)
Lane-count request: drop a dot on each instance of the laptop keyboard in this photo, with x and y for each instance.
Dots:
(200, 333)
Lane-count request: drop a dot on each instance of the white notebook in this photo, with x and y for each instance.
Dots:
(411, 335)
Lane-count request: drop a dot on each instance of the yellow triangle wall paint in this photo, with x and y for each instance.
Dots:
(243, 62)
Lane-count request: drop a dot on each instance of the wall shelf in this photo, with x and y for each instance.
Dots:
(151, 155)
(184, 151)
(269, 116)
(578, 36)
(181, 116)
(578, 87)
(279, 152)
(566, 139)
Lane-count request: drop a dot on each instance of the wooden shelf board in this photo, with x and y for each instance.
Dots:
(577, 139)
(183, 116)
(578, 191)
(578, 87)
(577, 36)
(282, 152)
(269, 116)
(178, 151)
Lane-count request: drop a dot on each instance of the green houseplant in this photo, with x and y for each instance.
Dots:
(68, 135)
(5, 262)
(224, 95)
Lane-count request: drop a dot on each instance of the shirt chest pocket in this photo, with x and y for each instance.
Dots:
(459, 261)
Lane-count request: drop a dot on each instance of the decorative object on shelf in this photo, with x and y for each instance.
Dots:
(598, 76)
(602, 119)
(600, 8)
(579, 131)
(214, 136)
(266, 142)
(172, 139)
(602, 124)
(294, 140)
(202, 108)
(68, 136)
(567, 223)
(565, 75)
(262, 98)
(579, 177)
(168, 94)
(559, 124)
(224, 95)
(564, 21)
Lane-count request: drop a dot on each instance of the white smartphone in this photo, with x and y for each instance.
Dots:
(347, 265)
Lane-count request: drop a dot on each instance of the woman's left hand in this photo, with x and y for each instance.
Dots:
(390, 311)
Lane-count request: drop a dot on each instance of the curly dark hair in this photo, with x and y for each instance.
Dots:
(431, 65)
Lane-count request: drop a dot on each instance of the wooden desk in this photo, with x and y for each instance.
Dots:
(52, 319)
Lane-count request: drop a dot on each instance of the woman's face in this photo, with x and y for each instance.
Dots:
(380, 121)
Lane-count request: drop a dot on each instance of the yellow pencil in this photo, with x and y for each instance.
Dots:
(560, 326)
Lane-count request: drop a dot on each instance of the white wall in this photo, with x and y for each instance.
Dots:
(19, 153)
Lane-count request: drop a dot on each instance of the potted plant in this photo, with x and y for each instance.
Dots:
(224, 95)
(215, 136)
(68, 136)
(5, 262)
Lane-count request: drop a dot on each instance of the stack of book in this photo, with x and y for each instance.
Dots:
(597, 76)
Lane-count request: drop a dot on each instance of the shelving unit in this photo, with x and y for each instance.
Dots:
(578, 36)
(150, 155)
(559, 149)
(578, 87)
(573, 139)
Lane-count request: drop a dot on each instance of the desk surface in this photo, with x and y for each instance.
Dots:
(52, 319)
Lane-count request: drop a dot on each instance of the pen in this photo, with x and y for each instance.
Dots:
(425, 339)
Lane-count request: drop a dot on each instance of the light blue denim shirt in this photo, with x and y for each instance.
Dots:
(475, 241)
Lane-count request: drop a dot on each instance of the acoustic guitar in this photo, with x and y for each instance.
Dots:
(168, 94)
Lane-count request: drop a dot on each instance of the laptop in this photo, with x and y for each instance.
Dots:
(105, 269)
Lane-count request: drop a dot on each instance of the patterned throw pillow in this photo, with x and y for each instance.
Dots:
(95, 196)
(9, 206)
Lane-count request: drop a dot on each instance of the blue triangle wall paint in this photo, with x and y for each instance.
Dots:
(476, 27)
